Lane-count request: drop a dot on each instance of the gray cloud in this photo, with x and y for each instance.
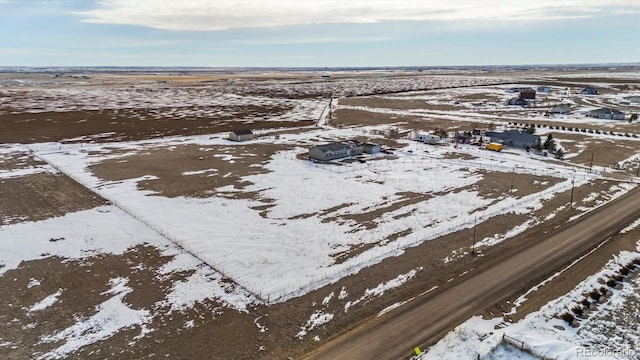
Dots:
(207, 15)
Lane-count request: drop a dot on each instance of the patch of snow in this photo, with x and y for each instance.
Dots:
(110, 317)
(381, 288)
(326, 300)
(343, 294)
(46, 302)
(631, 226)
(318, 318)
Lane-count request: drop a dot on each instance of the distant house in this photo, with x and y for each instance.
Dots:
(463, 138)
(544, 89)
(518, 89)
(336, 150)
(518, 101)
(589, 90)
(429, 139)
(562, 109)
(241, 135)
(607, 113)
(528, 94)
(633, 99)
(514, 138)
(371, 148)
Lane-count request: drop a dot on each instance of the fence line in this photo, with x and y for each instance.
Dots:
(181, 245)
(522, 346)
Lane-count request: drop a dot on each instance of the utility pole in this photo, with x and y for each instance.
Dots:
(638, 171)
(512, 175)
(473, 240)
(591, 164)
(572, 185)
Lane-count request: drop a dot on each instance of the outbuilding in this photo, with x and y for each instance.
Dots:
(589, 90)
(528, 94)
(371, 148)
(241, 135)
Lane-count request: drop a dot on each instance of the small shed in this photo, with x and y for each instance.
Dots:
(241, 135)
(371, 148)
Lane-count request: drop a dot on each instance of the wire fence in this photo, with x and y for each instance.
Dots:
(200, 255)
(523, 346)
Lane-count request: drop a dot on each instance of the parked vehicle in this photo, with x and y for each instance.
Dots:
(494, 146)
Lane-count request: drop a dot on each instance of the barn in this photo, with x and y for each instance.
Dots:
(528, 94)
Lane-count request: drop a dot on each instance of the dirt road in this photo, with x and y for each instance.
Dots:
(427, 318)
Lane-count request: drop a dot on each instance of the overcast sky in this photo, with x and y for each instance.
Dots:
(317, 33)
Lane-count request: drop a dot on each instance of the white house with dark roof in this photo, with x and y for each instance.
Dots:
(606, 113)
(514, 138)
(561, 109)
(336, 150)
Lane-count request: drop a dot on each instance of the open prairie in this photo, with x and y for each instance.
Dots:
(131, 226)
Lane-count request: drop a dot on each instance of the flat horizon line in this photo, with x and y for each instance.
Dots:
(46, 68)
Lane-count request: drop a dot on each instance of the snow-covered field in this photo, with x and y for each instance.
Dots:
(310, 221)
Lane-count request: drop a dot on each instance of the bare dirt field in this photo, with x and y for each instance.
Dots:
(191, 171)
(126, 125)
(211, 329)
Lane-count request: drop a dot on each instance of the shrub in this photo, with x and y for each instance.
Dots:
(624, 271)
(585, 302)
(603, 290)
(577, 310)
(568, 317)
(630, 266)
(611, 283)
(595, 295)
(618, 278)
